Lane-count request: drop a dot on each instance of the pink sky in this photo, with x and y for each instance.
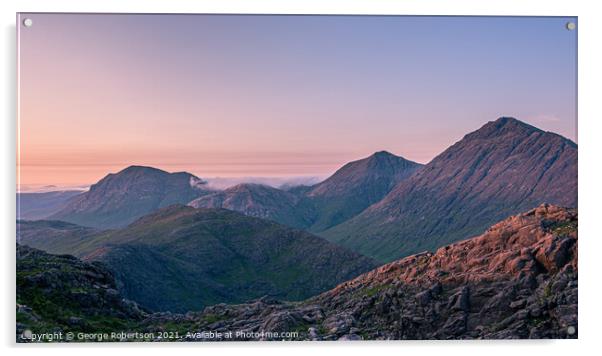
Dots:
(272, 96)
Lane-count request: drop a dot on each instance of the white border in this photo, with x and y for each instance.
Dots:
(590, 153)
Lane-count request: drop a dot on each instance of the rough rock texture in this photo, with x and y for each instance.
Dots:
(119, 199)
(503, 168)
(61, 292)
(517, 280)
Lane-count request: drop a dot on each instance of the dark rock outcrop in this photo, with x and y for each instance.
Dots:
(61, 292)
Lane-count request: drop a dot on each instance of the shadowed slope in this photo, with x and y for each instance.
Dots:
(180, 258)
(503, 168)
(356, 186)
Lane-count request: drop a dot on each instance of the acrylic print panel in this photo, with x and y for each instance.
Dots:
(246, 178)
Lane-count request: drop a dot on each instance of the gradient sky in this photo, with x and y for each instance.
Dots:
(276, 96)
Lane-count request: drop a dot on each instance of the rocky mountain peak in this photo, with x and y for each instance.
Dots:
(120, 198)
(383, 155)
(140, 169)
(356, 186)
(503, 168)
(503, 126)
(133, 173)
(384, 160)
(381, 165)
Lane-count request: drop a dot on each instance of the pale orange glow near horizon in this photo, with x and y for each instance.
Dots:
(269, 96)
(84, 169)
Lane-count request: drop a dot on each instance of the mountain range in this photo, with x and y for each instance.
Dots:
(180, 258)
(517, 280)
(382, 206)
(349, 191)
(502, 168)
(172, 243)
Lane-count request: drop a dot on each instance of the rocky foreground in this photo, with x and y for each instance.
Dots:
(517, 280)
(58, 293)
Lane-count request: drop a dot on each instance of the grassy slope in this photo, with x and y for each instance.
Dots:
(183, 259)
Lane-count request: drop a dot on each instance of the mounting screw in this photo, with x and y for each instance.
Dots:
(570, 26)
(571, 330)
(28, 22)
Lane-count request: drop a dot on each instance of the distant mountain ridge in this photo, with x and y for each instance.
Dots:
(180, 258)
(356, 186)
(350, 190)
(119, 199)
(52, 236)
(259, 201)
(36, 206)
(502, 168)
(383, 206)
